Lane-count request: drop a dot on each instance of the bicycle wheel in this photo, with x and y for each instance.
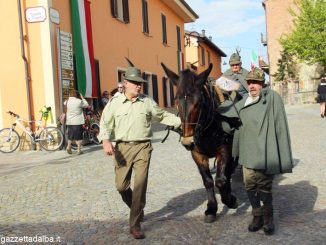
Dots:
(51, 138)
(9, 140)
(95, 130)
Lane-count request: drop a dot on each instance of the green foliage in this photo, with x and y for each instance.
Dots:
(308, 39)
(286, 67)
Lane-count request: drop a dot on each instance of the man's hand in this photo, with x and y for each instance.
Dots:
(108, 147)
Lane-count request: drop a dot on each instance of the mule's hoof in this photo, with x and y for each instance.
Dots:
(210, 218)
(234, 205)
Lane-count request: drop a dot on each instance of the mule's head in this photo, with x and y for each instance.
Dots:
(188, 100)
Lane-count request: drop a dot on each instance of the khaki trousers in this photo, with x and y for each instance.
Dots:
(128, 158)
(256, 180)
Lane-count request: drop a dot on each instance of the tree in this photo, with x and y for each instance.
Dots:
(308, 39)
(286, 70)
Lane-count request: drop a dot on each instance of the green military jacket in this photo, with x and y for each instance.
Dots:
(263, 140)
(239, 77)
(125, 120)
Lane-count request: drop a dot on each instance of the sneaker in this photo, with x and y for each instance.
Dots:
(69, 151)
(79, 152)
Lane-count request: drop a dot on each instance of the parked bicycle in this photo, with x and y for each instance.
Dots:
(49, 138)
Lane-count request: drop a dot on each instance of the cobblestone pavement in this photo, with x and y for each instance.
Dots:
(74, 198)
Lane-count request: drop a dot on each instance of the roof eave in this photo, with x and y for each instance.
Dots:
(182, 9)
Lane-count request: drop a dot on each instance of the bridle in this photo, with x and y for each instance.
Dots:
(206, 120)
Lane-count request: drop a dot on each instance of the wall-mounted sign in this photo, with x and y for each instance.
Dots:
(35, 14)
(54, 16)
(67, 74)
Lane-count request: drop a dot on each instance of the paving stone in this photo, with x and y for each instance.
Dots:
(74, 197)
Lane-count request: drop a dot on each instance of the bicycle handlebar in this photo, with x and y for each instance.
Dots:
(12, 114)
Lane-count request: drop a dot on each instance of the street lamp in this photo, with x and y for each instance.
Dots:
(187, 37)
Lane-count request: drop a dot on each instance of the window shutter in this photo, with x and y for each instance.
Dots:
(114, 8)
(125, 11)
(145, 16)
(165, 102)
(154, 85)
(145, 86)
(171, 93)
(178, 38)
(165, 41)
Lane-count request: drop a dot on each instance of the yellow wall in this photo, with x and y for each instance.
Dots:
(38, 52)
(12, 77)
(193, 56)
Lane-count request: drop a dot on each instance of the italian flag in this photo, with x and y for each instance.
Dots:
(253, 60)
(83, 47)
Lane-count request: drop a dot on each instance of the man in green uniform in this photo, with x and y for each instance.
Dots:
(237, 73)
(127, 121)
(263, 146)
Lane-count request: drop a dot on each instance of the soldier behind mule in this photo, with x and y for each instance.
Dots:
(263, 146)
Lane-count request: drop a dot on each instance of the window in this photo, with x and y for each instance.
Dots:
(145, 16)
(120, 10)
(150, 88)
(168, 92)
(164, 35)
(178, 39)
(202, 56)
(121, 76)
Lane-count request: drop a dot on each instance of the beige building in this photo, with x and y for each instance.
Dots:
(38, 48)
(279, 22)
(201, 51)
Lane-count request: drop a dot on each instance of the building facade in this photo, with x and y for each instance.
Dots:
(279, 22)
(201, 51)
(41, 49)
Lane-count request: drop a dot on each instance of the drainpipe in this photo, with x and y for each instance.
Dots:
(27, 78)
(22, 47)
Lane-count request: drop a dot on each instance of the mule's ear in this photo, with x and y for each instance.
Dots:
(173, 77)
(129, 62)
(202, 77)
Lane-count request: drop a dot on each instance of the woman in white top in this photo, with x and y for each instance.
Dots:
(75, 119)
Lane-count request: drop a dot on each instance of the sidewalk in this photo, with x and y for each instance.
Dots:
(74, 198)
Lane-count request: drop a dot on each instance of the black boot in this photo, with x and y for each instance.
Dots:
(257, 221)
(267, 199)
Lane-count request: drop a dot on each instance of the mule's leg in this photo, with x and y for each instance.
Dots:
(224, 170)
(203, 167)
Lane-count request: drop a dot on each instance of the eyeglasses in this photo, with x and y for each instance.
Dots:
(120, 87)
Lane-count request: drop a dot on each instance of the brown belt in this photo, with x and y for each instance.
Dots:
(133, 142)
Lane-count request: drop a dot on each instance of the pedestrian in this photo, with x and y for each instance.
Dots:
(104, 99)
(237, 73)
(127, 121)
(119, 90)
(263, 146)
(321, 91)
(75, 119)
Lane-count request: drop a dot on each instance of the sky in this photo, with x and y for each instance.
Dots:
(232, 24)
